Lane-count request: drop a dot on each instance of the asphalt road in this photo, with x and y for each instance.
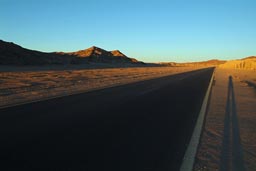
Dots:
(139, 126)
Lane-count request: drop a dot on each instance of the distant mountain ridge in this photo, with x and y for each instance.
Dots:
(213, 62)
(96, 54)
(13, 54)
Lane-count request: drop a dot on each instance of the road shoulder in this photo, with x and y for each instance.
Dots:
(214, 135)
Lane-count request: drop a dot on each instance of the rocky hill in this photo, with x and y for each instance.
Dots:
(96, 54)
(249, 57)
(13, 54)
(248, 63)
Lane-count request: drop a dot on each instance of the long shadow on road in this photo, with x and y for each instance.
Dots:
(232, 152)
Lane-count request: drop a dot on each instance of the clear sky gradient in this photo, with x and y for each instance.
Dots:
(152, 31)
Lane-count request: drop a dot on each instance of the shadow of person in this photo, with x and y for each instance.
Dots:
(232, 152)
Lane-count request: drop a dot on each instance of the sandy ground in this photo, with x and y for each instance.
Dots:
(210, 151)
(91, 65)
(244, 64)
(26, 85)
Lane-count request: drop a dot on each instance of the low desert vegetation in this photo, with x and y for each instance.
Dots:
(19, 87)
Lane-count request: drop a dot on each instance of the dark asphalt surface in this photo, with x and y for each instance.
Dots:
(139, 126)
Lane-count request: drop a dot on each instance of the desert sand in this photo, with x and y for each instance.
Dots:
(210, 152)
(26, 86)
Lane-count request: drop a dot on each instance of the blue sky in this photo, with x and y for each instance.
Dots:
(152, 31)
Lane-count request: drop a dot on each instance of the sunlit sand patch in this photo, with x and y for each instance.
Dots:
(19, 87)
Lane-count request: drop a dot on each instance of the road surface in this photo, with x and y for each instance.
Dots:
(140, 126)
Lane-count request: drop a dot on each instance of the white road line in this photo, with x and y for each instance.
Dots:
(189, 157)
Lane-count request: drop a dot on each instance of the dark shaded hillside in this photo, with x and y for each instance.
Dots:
(12, 54)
